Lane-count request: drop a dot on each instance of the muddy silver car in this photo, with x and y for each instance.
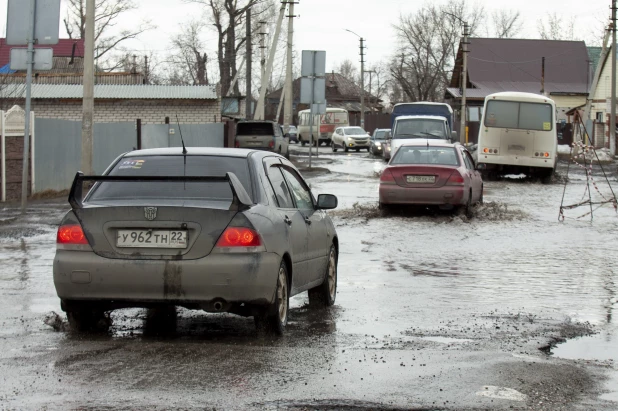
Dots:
(222, 230)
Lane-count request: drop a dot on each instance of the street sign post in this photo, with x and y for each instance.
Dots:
(46, 23)
(43, 58)
(30, 22)
(313, 89)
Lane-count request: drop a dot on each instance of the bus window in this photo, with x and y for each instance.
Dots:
(516, 115)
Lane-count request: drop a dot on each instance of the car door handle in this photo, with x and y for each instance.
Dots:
(287, 220)
(307, 221)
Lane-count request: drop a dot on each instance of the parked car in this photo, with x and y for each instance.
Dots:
(386, 149)
(377, 139)
(431, 173)
(216, 229)
(261, 135)
(350, 138)
(292, 134)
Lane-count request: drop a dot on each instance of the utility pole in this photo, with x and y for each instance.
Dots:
(88, 97)
(464, 83)
(543, 75)
(248, 113)
(259, 110)
(289, 97)
(362, 96)
(30, 63)
(362, 54)
(262, 34)
(612, 118)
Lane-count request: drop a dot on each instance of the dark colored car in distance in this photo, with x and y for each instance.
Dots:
(378, 138)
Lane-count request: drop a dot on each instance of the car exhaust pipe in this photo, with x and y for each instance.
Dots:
(218, 306)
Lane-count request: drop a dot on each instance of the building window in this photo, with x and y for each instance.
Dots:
(230, 105)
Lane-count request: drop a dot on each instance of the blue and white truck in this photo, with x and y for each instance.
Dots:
(421, 120)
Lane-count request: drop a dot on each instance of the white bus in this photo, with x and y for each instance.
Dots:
(334, 117)
(518, 135)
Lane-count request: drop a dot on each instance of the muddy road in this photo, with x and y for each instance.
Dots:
(508, 310)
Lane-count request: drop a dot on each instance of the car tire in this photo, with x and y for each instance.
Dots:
(384, 207)
(275, 317)
(302, 141)
(481, 197)
(345, 148)
(324, 294)
(368, 149)
(87, 319)
(468, 206)
(332, 146)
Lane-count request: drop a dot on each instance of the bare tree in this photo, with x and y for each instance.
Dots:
(506, 23)
(189, 58)
(106, 17)
(348, 70)
(227, 17)
(556, 27)
(428, 43)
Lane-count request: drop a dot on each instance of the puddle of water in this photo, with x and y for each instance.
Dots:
(599, 347)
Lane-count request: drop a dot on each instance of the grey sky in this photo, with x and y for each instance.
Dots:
(322, 22)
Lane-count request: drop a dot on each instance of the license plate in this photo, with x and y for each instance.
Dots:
(254, 143)
(421, 179)
(152, 238)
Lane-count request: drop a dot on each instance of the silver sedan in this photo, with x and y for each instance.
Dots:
(222, 230)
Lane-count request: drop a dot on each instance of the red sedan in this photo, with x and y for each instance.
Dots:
(431, 173)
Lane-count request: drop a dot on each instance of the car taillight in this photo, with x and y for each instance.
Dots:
(239, 237)
(271, 144)
(236, 144)
(387, 177)
(71, 234)
(455, 179)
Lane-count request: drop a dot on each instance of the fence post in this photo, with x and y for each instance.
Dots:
(139, 133)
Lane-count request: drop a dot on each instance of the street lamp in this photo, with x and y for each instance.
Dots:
(362, 99)
(464, 79)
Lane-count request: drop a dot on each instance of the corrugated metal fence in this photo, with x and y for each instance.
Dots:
(58, 146)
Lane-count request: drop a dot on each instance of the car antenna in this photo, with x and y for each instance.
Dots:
(184, 149)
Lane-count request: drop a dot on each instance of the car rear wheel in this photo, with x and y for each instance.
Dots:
(83, 318)
(481, 197)
(324, 294)
(275, 317)
(368, 149)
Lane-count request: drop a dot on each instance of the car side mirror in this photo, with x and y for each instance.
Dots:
(327, 202)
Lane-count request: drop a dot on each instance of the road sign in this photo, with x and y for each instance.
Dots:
(313, 63)
(43, 58)
(319, 108)
(312, 90)
(46, 23)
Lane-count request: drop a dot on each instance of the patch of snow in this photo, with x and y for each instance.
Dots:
(502, 393)
(515, 176)
(564, 149)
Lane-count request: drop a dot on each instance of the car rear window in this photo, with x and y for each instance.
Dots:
(445, 156)
(259, 129)
(174, 166)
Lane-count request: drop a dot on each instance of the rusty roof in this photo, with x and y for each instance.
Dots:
(516, 65)
(64, 48)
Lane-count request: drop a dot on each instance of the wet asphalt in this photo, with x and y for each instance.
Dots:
(511, 309)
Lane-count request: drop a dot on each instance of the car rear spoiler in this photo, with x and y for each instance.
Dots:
(240, 199)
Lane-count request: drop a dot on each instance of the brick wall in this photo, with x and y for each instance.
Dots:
(150, 111)
(14, 164)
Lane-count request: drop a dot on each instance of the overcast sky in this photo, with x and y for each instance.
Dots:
(322, 22)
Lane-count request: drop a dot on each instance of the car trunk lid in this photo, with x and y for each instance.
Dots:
(421, 176)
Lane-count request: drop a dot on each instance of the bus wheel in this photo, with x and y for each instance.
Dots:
(547, 177)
